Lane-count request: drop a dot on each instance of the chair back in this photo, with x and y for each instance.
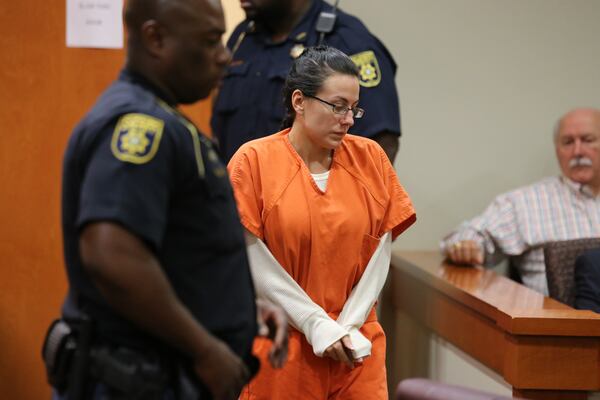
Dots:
(425, 389)
(559, 258)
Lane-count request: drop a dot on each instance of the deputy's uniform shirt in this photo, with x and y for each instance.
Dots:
(133, 160)
(250, 101)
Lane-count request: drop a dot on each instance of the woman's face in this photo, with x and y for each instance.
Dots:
(325, 128)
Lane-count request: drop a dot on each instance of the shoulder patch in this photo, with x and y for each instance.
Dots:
(136, 138)
(368, 67)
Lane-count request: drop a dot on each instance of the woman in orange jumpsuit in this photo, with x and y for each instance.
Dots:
(321, 207)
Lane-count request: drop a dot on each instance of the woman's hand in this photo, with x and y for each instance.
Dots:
(342, 351)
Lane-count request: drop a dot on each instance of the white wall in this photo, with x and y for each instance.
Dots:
(449, 364)
(233, 15)
(481, 84)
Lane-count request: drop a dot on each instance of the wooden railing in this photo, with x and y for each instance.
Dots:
(542, 348)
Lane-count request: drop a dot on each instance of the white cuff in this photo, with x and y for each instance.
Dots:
(322, 332)
(361, 345)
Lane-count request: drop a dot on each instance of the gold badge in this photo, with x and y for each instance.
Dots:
(369, 72)
(136, 138)
(220, 172)
(300, 36)
(218, 169)
(296, 50)
(212, 155)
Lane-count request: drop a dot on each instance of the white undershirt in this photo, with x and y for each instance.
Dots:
(321, 180)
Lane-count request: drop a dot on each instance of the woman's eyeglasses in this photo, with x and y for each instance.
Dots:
(357, 112)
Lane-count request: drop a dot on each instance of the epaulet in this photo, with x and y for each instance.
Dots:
(242, 27)
(362, 46)
(197, 138)
(350, 21)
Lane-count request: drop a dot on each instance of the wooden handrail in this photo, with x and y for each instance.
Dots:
(544, 349)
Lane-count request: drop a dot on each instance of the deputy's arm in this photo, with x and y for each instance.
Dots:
(131, 280)
(273, 324)
(390, 142)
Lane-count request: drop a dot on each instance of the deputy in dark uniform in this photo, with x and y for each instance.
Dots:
(250, 103)
(154, 248)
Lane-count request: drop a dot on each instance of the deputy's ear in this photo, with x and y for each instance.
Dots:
(298, 101)
(153, 37)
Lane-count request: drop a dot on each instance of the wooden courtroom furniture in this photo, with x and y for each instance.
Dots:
(559, 258)
(542, 348)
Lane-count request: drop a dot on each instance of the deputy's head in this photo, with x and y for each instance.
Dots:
(267, 10)
(177, 44)
(577, 142)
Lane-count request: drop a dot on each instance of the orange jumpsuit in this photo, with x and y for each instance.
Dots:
(324, 240)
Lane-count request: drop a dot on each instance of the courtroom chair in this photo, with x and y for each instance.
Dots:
(425, 389)
(559, 258)
(513, 271)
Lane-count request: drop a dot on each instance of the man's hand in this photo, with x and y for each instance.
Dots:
(222, 371)
(342, 351)
(465, 252)
(272, 323)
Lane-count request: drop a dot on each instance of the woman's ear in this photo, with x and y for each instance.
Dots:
(298, 101)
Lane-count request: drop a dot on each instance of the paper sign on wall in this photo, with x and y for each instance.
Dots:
(95, 23)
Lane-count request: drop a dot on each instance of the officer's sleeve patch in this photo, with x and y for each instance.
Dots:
(368, 67)
(136, 138)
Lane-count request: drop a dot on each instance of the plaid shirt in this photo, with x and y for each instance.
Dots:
(518, 224)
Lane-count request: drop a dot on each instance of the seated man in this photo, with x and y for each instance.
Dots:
(518, 223)
(587, 281)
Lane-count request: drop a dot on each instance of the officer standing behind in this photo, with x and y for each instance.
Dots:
(154, 248)
(250, 103)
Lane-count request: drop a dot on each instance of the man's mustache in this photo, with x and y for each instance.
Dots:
(580, 162)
